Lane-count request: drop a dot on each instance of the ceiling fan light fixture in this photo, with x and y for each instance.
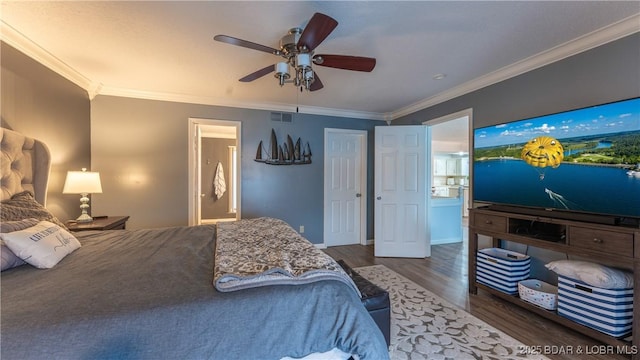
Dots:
(304, 78)
(304, 72)
(282, 72)
(308, 74)
(307, 78)
(303, 60)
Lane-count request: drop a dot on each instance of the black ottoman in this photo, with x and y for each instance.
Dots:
(374, 298)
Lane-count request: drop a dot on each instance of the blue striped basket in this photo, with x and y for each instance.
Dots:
(502, 269)
(607, 310)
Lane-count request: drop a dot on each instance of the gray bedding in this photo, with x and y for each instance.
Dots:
(148, 294)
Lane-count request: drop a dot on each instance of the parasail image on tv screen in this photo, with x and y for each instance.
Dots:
(581, 164)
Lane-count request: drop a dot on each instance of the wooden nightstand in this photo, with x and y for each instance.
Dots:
(101, 223)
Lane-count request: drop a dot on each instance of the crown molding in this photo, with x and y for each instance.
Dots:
(23, 44)
(202, 100)
(583, 43)
(315, 110)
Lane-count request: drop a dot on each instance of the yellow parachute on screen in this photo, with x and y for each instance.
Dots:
(543, 151)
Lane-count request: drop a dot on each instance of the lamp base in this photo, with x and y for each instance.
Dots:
(84, 218)
(84, 206)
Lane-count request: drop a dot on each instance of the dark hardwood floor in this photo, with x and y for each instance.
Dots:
(445, 274)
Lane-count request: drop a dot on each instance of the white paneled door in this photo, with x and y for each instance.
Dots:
(344, 172)
(402, 194)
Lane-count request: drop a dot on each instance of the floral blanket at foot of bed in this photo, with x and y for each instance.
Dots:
(267, 251)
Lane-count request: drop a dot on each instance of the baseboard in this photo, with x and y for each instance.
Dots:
(446, 241)
(324, 246)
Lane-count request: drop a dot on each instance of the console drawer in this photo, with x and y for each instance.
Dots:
(490, 222)
(605, 241)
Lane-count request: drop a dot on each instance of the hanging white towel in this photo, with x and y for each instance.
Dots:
(219, 186)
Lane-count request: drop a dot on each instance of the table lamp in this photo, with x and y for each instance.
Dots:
(84, 183)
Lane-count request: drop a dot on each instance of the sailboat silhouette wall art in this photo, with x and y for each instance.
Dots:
(286, 154)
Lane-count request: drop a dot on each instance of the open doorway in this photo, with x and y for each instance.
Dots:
(214, 171)
(450, 191)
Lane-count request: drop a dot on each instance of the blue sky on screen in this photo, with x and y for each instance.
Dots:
(602, 119)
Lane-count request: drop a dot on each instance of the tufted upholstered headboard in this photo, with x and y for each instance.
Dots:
(25, 165)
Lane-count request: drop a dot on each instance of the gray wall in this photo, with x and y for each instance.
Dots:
(140, 148)
(42, 104)
(603, 74)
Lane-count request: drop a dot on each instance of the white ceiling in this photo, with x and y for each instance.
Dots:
(165, 50)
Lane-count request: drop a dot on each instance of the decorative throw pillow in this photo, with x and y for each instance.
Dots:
(8, 259)
(42, 245)
(593, 274)
(23, 206)
(11, 226)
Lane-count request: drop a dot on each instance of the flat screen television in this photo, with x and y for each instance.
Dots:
(582, 164)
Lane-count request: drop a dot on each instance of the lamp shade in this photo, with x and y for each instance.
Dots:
(82, 182)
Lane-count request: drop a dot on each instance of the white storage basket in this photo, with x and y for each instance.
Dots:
(502, 269)
(607, 310)
(539, 293)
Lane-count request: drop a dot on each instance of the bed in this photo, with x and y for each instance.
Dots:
(149, 294)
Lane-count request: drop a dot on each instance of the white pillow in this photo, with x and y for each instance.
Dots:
(42, 245)
(593, 274)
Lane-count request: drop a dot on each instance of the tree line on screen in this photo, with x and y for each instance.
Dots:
(624, 150)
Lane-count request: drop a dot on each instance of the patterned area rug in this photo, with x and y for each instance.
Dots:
(425, 326)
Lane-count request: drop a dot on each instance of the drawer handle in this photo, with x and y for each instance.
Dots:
(597, 241)
(488, 222)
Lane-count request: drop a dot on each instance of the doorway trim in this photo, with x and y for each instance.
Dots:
(363, 179)
(194, 144)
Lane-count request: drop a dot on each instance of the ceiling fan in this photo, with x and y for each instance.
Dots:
(297, 48)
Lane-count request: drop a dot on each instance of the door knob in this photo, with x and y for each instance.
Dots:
(202, 195)
(379, 198)
(358, 195)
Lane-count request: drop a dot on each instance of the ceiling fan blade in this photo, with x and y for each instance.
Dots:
(318, 28)
(317, 84)
(258, 74)
(244, 43)
(357, 63)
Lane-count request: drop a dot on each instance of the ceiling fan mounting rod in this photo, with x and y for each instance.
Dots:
(289, 43)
